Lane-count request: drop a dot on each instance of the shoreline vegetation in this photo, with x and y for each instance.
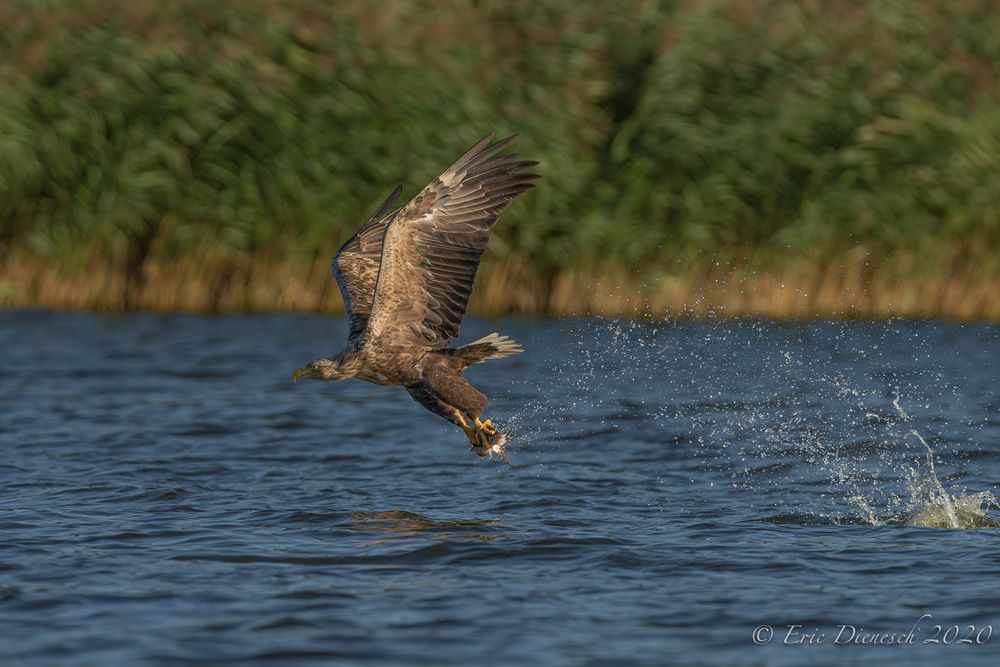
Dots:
(844, 288)
(699, 157)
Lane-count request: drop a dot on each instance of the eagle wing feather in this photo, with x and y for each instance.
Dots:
(432, 247)
(355, 266)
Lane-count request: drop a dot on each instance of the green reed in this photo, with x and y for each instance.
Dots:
(672, 134)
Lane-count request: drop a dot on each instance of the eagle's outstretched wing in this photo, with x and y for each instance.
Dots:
(433, 245)
(355, 266)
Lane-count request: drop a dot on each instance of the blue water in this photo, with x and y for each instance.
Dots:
(169, 497)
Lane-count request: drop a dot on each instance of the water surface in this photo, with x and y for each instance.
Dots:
(168, 496)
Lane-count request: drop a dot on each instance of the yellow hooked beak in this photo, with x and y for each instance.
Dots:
(304, 372)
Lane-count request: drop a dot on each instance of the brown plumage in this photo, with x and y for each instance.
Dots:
(406, 277)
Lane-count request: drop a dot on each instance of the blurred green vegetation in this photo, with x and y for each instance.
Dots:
(670, 133)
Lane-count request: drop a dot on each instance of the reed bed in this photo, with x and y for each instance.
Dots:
(841, 288)
(737, 157)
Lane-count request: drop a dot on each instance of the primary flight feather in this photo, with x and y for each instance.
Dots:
(406, 277)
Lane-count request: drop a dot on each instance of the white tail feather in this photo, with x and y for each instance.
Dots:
(502, 346)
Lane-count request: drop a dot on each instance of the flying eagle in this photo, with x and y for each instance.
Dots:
(406, 277)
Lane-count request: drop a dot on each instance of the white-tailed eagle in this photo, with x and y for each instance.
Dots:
(406, 278)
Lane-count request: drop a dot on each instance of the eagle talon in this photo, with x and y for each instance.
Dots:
(487, 441)
(484, 439)
(486, 427)
(472, 434)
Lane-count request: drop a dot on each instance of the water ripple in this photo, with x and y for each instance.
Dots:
(168, 496)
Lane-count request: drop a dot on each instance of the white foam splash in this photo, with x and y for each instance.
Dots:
(938, 496)
(931, 506)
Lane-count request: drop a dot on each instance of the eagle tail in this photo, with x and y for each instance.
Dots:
(493, 346)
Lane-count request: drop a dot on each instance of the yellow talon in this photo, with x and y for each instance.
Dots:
(479, 435)
(471, 433)
(486, 426)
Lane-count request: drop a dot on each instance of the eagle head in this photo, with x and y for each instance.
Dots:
(325, 369)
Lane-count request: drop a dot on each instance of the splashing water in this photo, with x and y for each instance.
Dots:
(931, 504)
(768, 407)
(934, 507)
(938, 496)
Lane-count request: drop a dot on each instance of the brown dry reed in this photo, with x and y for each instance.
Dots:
(844, 288)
